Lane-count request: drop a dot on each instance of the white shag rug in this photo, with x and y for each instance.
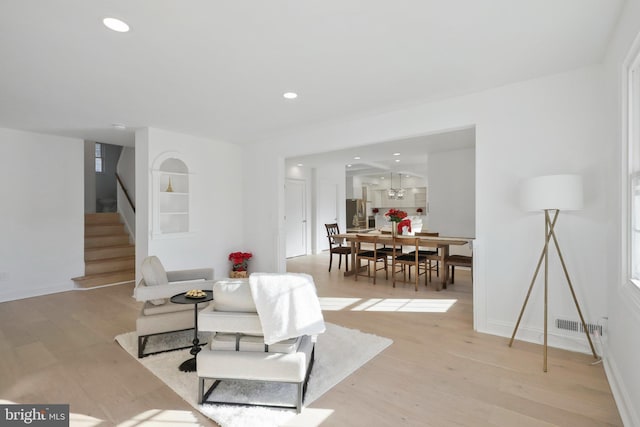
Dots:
(339, 352)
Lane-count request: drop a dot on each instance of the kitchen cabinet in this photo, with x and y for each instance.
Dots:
(414, 198)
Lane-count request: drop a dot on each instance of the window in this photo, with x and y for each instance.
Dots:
(99, 158)
(633, 171)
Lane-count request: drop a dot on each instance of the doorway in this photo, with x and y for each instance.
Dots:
(295, 218)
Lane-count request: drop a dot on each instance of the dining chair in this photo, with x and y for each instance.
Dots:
(433, 256)
(408, 260)
(336, 246)
(454, 261)
(371, 253)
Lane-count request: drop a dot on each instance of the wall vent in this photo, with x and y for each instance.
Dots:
(576, 326)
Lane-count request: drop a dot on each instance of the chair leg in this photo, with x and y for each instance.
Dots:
(374, 270)
(339, 261)
(200, 390)
(142, 343)
(330, 260)
(299, 402)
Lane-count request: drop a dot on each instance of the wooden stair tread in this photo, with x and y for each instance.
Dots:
(101, 217)
(101, 279)
(104, 253)
(104, 230)
(114, 259)
(95, 242)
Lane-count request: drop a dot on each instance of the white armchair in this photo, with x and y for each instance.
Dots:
(243, 344)
(158, 315)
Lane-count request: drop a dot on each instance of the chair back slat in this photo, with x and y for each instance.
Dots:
(332, 230)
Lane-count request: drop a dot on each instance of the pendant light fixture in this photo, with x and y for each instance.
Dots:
(395, 193)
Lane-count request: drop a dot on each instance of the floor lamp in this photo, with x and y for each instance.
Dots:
(552, 193)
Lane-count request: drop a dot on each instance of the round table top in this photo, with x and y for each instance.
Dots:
(182, 298)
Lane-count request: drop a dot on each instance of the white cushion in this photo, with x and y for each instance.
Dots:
(253, 343)
(253, 365)
(233, 295)
(154, 274)
(211, 320)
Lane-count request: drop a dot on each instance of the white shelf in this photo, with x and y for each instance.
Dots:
(171, 208)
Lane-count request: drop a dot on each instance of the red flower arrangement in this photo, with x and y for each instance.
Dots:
(239, 260)
(375, 210)
(419, 210)
(395, 215)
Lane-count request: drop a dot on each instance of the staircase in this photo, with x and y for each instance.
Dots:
(108, 256)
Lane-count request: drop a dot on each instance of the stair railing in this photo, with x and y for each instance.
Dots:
(126, 193)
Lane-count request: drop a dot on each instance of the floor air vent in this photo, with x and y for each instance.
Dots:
(576, 326)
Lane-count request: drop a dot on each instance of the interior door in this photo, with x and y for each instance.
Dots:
(327, 211)
(295, 218)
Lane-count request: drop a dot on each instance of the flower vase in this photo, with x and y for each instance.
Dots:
(394, 229)
(238, 274)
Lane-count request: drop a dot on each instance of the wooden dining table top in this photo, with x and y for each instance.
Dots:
(424, 240)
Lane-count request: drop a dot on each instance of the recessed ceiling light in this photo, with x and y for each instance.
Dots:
(382, 177)
(397, 160)
(396, 154)
(118, 126)
(290, 95)
(300, 164)
(356, 158)
(116, 25)
(349, 166)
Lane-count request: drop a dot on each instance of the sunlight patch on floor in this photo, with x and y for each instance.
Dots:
(406, 305)
(337, 304)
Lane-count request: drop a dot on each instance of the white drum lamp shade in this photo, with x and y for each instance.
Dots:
(562, 192)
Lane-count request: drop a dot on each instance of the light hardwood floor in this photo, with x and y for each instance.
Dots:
(438, 372)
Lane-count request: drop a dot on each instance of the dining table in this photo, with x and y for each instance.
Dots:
(442, 243)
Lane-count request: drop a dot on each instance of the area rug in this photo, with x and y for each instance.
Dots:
(339, 352)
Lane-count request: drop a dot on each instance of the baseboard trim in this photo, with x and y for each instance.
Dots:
(578, 343)
(625, 407)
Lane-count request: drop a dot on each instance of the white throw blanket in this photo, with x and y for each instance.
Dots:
(287, 304)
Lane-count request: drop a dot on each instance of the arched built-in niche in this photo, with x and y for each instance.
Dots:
(171, 191)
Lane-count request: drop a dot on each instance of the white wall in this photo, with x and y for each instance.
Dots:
(623, 346)
(42, 211)
(216, 181)
(548, 125)
(451, 192)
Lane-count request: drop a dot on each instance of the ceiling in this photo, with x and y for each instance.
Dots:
(218, 69)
